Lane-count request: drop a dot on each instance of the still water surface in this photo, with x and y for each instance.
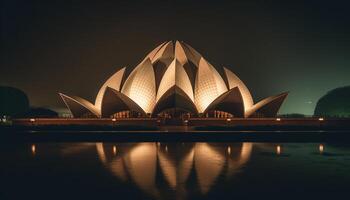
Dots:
(174, 171)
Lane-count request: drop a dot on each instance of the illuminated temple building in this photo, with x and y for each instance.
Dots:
(174, 80)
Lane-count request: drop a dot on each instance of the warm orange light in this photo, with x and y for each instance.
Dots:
(32, 120)
(278, 150)
(228, 119)
(114, 119)
(278, 119)
(166, 148)
(321, 148)
(141, 164)
(33, 149)
(321, 119)
(229, 150)
(114, 150)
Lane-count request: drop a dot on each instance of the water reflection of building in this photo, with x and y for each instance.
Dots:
(154, 167)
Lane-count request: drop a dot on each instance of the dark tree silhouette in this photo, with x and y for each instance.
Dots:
(336, 103)
(13, 102)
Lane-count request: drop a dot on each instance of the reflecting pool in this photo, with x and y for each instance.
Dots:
(174, 171)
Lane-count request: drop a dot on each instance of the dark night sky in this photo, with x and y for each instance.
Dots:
(73, 47)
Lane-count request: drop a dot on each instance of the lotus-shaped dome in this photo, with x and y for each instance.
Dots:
(174, 76)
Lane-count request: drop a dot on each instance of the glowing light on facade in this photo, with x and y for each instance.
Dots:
(140, 86)
(79, 106)
(113, 82)
(180, 53)
(33, 149)
(268, 106)
(321, 148)
(198, 85)
(168, 80)
(155, 51)
(114, 150)
(175, 75)
(278, 149)
(234, 81)
(165, 51)
(209, 85)
(183, 81)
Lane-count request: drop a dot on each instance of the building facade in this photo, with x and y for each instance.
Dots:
(172, 81)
